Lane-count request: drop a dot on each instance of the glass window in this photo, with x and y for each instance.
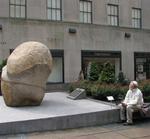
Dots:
(85, 11)
(113, 15)
(56, 75)
(17, 8)
(136, 18)
(54, 10)
(114, 58)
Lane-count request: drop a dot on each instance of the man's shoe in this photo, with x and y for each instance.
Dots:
(126, 124)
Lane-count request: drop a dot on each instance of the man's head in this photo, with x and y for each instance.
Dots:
(133, 85)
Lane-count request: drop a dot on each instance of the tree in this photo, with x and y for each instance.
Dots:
(95, 69)
(107, 74)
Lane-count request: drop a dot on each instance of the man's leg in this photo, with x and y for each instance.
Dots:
(129, 113)
(122, 112)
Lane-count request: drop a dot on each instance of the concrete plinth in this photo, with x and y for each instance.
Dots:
(56, 112)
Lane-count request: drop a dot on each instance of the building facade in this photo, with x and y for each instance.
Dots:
(81, 31)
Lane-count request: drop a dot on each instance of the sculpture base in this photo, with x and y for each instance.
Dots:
(56, 112)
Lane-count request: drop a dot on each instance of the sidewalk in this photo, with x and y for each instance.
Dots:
(141, 130)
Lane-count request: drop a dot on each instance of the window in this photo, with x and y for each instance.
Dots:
(54, 10)
(142, 65)
(136, 18)
(17, 8)
(100, 57)
(85, 11)
(113, 15)
(57, 75)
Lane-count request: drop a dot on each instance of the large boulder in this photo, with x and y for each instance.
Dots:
(25, 75)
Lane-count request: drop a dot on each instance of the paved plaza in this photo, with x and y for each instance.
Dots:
(141, 130)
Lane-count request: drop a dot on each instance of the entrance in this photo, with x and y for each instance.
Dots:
(142, 66)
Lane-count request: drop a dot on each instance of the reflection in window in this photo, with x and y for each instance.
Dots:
(54, 9)
(17, 8)
(113, 15)
(136, 18)
(85, 11)
(57, 71)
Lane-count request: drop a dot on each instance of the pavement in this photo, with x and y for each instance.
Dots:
(140, 130)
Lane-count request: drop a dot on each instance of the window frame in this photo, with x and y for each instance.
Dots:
(86, 12)
(56, 9)
(137, 19)
(18, 5)
(112, 15)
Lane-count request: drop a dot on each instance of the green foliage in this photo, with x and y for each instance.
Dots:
(2, 64)
(102, 72)
(108, 73)
(100, 91)
(145, 88)
(121, 79)
(147, 99)
(94, 72)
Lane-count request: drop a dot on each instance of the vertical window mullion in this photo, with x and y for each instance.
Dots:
(20, 10)
(51, 8)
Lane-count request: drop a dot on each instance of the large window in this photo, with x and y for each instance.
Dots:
(113, 14)
(100, 57)
(136, 18)
(17, 8)
(54, 10)
(85, 11)
(57, 75)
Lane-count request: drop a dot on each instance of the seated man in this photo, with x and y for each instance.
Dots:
(133, 101)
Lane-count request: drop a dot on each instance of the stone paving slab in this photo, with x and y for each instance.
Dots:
(56, 112)
(136, 132)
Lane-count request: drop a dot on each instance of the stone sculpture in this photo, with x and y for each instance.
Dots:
(25, 75)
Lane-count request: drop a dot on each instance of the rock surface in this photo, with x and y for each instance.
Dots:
(25, 75)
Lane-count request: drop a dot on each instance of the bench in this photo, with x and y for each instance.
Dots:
(144, 112)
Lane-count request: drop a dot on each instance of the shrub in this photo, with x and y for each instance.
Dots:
(101, 90)
(121, 79)
(108, 73)
(147, 99)
(2, 64)
(94, 72)
(105, 90)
